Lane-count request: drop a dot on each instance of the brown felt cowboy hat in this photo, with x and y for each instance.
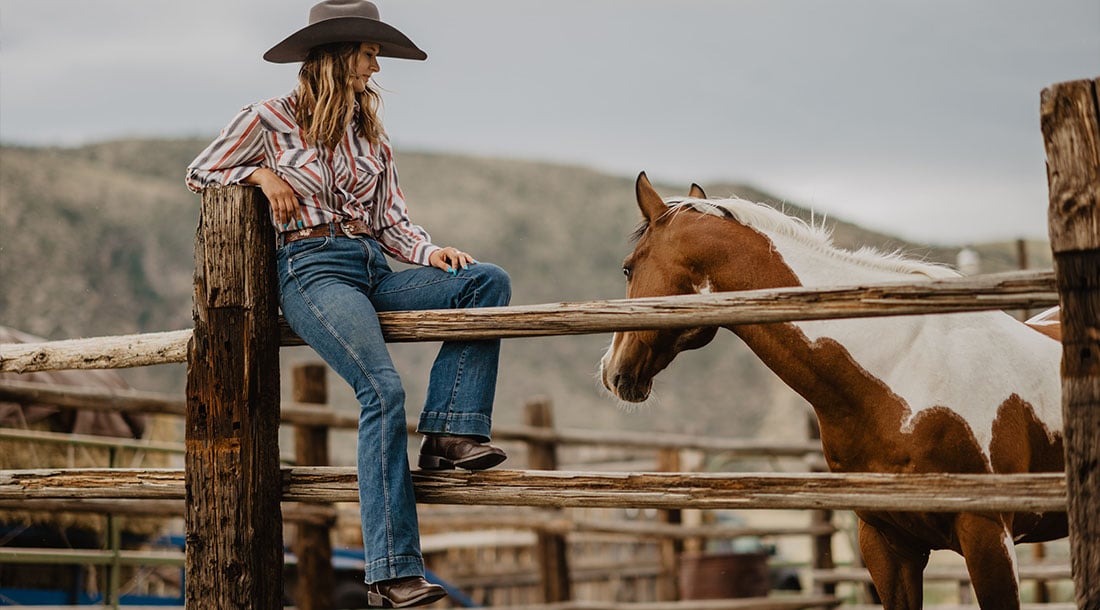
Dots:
(344, 21)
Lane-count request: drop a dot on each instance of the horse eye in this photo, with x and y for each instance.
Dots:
(626, 272)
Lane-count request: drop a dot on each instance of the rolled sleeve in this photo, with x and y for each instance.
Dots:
(233, 156)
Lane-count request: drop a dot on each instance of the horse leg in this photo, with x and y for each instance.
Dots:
(898, 575)
(990, 556)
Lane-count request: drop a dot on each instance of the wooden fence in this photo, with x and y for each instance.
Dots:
(314, 521)
(234, 482)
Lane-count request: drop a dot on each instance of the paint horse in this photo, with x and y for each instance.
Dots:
(959, 393)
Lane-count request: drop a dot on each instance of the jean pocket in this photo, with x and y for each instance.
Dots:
(304, 248)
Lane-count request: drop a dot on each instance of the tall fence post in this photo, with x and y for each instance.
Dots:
(233, 483)
(552, 549)
(1070, 120)
(313, 545)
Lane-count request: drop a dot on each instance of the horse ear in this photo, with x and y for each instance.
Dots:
(649, 201)
(696, 192)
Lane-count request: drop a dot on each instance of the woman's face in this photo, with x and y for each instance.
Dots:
(364, 64)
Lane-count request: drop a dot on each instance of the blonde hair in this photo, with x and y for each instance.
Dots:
(326, 101)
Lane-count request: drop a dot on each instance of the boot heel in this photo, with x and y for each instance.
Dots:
(377, 600)
(434, 462)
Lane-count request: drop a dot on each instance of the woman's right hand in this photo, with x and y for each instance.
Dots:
(283, 200)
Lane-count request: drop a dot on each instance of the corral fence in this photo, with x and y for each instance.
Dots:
(647, 548)
(233, 484)
(569, 556)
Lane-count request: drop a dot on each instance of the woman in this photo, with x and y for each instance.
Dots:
(321, 157)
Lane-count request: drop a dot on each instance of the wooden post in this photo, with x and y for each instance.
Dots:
(1022, 265)
(822, 543)
(1070, 122)
(552, 549)
(313, 545)
(233, 483)
(668, 583)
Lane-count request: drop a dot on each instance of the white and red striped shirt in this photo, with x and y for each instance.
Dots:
(356, 181)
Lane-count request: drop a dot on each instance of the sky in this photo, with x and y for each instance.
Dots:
(918, 118)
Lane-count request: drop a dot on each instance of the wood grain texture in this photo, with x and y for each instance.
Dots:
(234, 525)
(1071, 134)
(940, 492)
(1019, 290)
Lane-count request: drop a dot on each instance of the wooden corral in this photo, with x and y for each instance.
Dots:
(40, 433)
(234, 318)
(606, 558)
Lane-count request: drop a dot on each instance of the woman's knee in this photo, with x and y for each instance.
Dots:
(382, 389)
(494, 286)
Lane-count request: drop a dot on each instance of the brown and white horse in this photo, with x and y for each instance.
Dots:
(964, 393)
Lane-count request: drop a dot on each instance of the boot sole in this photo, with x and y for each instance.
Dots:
(377, 600)
(478, 462)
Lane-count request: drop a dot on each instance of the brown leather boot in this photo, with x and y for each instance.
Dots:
(403, 593)
(439, 452)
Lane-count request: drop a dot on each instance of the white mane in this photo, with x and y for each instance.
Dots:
(767, 219)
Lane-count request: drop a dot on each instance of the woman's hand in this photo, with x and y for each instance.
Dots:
(283, 200)
(450, 259)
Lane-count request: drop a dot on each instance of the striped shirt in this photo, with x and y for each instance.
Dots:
(355, 181)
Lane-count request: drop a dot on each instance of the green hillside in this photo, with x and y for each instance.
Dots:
(98, 240)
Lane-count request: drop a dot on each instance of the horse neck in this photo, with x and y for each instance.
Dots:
(867, 378)
(815, 359)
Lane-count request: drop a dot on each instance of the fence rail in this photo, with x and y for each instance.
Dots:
(1017, 290)
(931, 492)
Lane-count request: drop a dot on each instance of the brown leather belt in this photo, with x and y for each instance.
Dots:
(350, 228)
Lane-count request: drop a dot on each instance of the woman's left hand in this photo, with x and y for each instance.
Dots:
(450, 259)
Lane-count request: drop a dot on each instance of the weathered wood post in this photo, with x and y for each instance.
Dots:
(313, 545)
(1071, 131)
(671, 549)
(552, 548)
(233, 483)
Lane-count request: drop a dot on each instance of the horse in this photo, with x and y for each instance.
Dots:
(959, 393)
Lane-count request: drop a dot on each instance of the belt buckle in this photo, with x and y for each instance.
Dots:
(347, 228)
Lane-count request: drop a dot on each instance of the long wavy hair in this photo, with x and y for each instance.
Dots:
(327, 103)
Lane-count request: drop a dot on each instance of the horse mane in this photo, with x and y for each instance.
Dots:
(817, 237)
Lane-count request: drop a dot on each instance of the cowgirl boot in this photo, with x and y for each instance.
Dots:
(403, 593)
(444, 452)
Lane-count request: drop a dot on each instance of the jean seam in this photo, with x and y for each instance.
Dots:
(419, 286)
(461, 366)
(377, 390)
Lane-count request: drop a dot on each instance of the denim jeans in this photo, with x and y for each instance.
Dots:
(330, 291)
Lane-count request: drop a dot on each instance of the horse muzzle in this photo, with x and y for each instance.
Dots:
(624, 386)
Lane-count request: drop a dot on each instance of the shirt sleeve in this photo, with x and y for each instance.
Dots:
(232, 156)
(396, 233)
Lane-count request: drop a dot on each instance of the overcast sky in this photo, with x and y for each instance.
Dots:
(917, 118)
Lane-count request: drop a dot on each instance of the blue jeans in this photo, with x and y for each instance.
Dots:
(330, 290)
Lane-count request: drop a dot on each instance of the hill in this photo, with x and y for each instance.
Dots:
(98, 241)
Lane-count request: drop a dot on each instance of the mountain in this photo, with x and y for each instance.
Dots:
(97, 240)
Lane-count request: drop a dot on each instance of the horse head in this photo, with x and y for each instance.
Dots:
(677, 251)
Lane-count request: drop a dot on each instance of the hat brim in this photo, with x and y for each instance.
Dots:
(344, 29)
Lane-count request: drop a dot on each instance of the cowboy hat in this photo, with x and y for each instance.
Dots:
(344, 21)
